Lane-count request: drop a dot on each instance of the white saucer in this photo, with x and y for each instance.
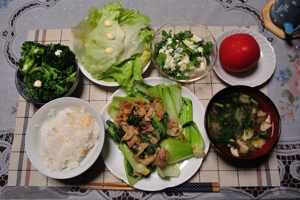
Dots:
(259, 73)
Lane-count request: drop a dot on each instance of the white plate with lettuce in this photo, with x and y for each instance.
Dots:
(114, 158)
(112, 45)
(101, 82)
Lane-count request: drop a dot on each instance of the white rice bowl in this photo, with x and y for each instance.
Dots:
(64, 138)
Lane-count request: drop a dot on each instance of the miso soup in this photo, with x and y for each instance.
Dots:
(239, 123)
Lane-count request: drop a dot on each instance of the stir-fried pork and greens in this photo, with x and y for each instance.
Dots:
(154, 129)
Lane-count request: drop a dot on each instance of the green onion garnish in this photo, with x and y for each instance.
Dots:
(253, 101)
(208, 121)
(237, 113)
(219, 104)
(245, 96)
(255, 137)
(264, 133)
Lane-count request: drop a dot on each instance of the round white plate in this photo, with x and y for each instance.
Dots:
(256, 75)
(100, 82)
(114, 158)
(32, 138)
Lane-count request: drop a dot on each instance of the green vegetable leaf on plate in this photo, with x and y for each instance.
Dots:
(113, 44)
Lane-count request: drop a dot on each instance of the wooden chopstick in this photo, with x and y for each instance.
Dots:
(215, 187)
(108, 186)
(186, 187)
(117, 184)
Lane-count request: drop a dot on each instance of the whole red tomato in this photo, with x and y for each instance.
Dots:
(239, 52)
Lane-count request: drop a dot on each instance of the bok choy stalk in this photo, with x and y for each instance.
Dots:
(168, 171)
(116, 132)
(131, 177)
(177, 149)
(137, 166)
(168, 102)
(197, 142)
(160, 126)
(186, 115)
(171, 99)
(153, 92)
(169, 94)
(175, 90)
(143, 88)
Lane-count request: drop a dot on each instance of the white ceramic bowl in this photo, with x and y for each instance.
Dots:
(32, 138)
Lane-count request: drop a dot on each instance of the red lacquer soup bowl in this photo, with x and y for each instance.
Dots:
(242, 123)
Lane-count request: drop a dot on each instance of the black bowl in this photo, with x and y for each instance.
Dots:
(267, 106)
(23, 90)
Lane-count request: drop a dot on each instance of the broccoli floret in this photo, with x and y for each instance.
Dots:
(51, 72)
(60, 56)
(52, 65)
(71, 78)
(32, 54)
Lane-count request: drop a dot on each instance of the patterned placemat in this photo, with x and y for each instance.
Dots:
(215, 168)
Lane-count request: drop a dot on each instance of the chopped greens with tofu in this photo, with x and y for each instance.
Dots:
(183, 55)
(239, 123)
(154, 129)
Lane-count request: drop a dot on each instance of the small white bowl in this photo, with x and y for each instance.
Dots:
(32, 138)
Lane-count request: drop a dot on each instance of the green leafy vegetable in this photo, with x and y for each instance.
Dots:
(171, 170)
(49, 70)
(186, 115)
(131, 177)
(197, 142)
(116, 132)
(177, 149)
(160, 126)
(137, 166)
(130, 44)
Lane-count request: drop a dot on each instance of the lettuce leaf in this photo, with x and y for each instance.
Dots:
(131, 44)
(131, 70)
(128, 16)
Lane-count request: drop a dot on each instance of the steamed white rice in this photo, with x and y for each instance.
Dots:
(67, 137)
